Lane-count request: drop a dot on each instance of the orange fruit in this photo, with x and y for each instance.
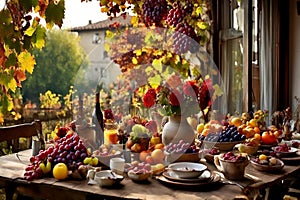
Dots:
(159, 146)
(205, 132)
(143, 156)
(256, 129)
(60, 171)
(257, 136)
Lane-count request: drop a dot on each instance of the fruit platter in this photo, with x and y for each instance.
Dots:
(224, 140)
(267, 163)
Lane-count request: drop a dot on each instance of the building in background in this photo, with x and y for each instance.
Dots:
(92, 39)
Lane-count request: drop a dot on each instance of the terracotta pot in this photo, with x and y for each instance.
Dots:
(176, 129)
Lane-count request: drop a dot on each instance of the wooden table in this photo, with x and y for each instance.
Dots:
(12, 169)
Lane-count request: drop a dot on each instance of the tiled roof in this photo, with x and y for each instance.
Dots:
(103, 24)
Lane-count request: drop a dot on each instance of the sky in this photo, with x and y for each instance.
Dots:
(77, 13)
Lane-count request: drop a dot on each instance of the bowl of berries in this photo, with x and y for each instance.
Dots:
(232, 165)
(267, 163)
(283, 150)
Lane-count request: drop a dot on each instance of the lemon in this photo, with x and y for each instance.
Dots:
(60, 171)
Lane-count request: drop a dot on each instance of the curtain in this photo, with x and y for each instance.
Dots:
(267, 59)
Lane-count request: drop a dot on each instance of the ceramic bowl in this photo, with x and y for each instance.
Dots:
(243, 148)
(187, 169)
(139, 177)
(107, 178)
(268, 168)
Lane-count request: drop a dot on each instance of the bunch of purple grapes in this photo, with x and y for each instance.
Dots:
(69, 150)
(180, 147)
(230, 134)
(154, 12)
(184, 38)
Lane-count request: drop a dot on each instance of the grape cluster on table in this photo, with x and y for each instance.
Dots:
(230, 134)
(181, 147)
(69, 150)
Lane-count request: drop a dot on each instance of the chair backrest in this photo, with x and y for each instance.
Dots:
(11, 134)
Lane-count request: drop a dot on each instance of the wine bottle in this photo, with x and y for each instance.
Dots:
(98, 120)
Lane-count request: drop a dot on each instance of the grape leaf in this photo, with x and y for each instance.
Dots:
(157, 64)
(40, 37)
(26, 61)
(28, 4)
(12, 85)
(30, 31)
(55, 12)
(11, 61)
(154, 81)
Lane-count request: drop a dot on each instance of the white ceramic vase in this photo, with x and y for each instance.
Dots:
(176, 129)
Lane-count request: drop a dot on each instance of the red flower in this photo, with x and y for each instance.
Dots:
(149, 98)
(205, 94)
(175, 98)
(190, 88)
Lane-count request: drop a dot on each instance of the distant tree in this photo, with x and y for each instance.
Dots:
(56, 65)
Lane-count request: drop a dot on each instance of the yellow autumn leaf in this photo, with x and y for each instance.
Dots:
(12, 85)
(26, 61)
(134, 20)
(134, 60)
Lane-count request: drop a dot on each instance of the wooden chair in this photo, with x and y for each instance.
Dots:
(12, 134)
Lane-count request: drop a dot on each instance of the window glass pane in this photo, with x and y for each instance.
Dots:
(232, 58)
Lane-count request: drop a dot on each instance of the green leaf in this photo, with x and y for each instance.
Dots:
(28, 4)
(40, 35)
(157, 64)
(30, 31)
(55, 13)
(12, 60)
(154, 81)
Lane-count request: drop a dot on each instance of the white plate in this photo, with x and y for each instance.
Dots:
(169, 174)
